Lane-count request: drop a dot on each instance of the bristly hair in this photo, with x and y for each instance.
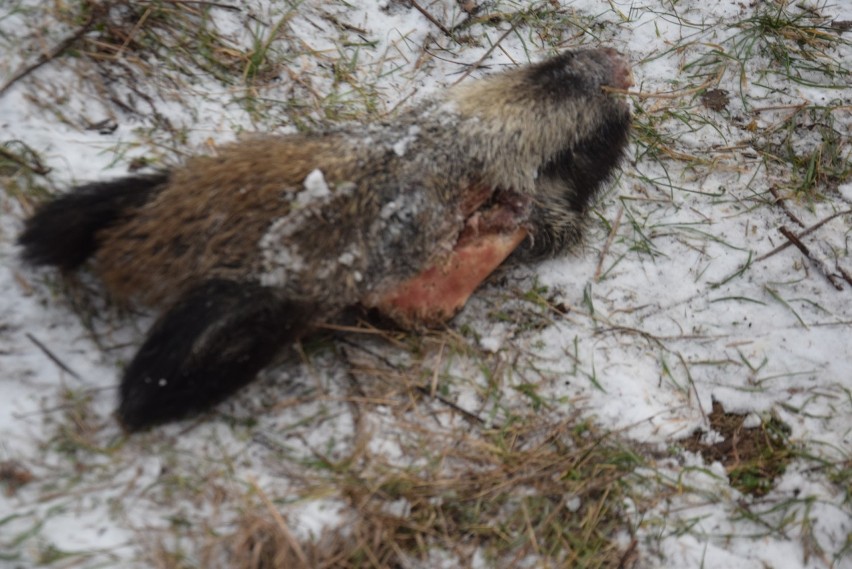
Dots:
(214, 340)
(63, 232)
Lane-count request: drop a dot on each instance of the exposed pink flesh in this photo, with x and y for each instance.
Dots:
(622, 73)
(439, 292)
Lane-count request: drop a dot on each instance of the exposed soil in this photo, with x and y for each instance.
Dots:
(752, 457)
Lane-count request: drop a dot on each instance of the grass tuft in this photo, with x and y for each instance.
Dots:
(796, 42)
(555, 494)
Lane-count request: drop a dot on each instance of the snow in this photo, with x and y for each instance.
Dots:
(316, 189)
(669, 327)
(401, 146)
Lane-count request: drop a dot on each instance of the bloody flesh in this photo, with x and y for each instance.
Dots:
(437, 293)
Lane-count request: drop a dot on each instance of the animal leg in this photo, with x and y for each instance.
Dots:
(213, 340)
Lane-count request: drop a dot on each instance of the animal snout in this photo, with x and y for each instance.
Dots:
(622, 74)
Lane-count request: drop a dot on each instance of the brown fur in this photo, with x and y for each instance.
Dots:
(210, 215)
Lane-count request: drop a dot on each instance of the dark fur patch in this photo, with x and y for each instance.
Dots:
(555, 77)
(580, 171)
(63, 232)
(214, 340)
(585, 167)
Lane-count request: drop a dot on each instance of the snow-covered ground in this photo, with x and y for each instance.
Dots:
(679, 298)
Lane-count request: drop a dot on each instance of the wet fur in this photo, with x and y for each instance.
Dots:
(244, 255)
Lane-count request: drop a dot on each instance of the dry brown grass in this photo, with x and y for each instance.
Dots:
(555, 495)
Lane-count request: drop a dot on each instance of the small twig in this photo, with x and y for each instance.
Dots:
(795, 107)
(351, 329)
(63, 45)
(53, 356)
(807, 231)
(463, 412)
(207, 3)
(435, 22)
(433, 391)
(846, 276)
(37, 167)
(486, 55)
(609, 239)
(281, 523)
(783, 203)
(792, 238)
(136, 27)
(668, 95)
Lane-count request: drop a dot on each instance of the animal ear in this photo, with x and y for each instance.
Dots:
(213, 340)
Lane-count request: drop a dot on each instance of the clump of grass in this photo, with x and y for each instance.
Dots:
(22, 174)
(659, 129)
(78, 432)
(797, 42)
(555, 494)
(126, 34)
(811, 143)
(260, 542)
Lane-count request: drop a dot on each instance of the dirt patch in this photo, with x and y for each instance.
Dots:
(715, 99)
(13, 475)
(753, 457)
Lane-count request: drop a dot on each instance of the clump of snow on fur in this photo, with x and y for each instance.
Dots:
(402, 144)
(315, 189)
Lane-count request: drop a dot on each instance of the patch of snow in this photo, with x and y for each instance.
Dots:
(315, 189)
(401, 146)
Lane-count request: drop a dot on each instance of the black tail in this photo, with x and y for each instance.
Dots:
(214, 340)
(63, 231)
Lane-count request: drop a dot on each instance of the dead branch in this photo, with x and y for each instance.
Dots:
(807, 231)
(792, 238)
(782, 201)
(54, 53)
(486, 55)
(432, 19)
(53, 357)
